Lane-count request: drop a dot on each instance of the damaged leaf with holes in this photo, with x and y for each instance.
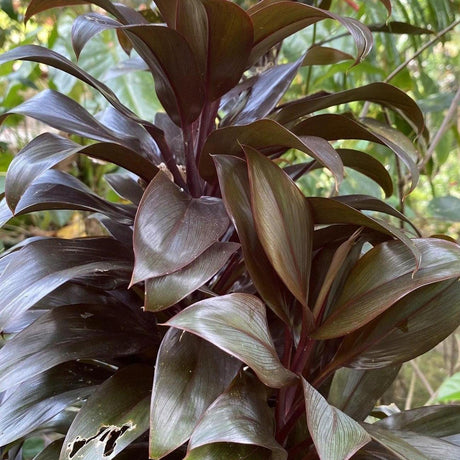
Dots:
(218, 312)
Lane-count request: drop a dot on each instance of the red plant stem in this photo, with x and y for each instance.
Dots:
(207, 125)
(290, 422)
(353, 4)
(304, 445)
(280, 411)
(194, 180)
(168, 158)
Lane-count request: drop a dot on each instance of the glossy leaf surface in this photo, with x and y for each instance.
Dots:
(68, 333)
(412, 326)
(263, 134)
(355, 392)
(336, 435)
(237, 324)
(411, 446)
(230, 36)
(383, 276)
(40, 398)
(240, 415)
(125, 398)
(46, 264)
(283, 222)
(380, 93)
(234, 184)
(265, 93)
(59, 190)
(436, 421)
(190, 374)
(164, 291)
(274, 21)
(171, 222)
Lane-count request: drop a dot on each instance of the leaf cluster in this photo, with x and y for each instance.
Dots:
(221, 314)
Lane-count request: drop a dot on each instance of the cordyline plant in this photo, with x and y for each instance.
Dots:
(224, 315)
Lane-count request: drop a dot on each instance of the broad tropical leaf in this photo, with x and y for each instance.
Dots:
(283, 221)
(46, 264)
(414, 325)
(190, 374)
(237, 324)
(383, 276)
(103, 434)
(164, 291)
(355, 392)
(40, 398)
(336, 435)
(234, 184)
(69, 333)
(168, 222)
(240, 415)
(266, 135)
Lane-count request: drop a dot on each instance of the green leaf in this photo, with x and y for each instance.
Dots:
(190, 374)
(46, 264)
(336, 435)
(263, 134)
(355, 392)
(113, 417)
(40, 398)
(170, 222)
(450, 389)
(411, 327)
(234, 184)
(446, 208)
(283, 222)
(69, 333)
(164, 291)
(237, 324)
(383, 276)
(240, 415)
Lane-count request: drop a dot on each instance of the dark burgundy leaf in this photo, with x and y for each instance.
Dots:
(188, 369)
(336, 435)
(378, 93)
(385, 275)
(46, 264)
(164, 291)
(240, 415)
(97, 433)
(263, 134)
(234, 184)
(68, 333)
(283, 221)
(237, 324)
(356, 391)
(274, 21)
(40, 398)
(170, 222)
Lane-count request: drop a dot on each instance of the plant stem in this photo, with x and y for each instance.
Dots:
(309, 71)
(194, 181)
